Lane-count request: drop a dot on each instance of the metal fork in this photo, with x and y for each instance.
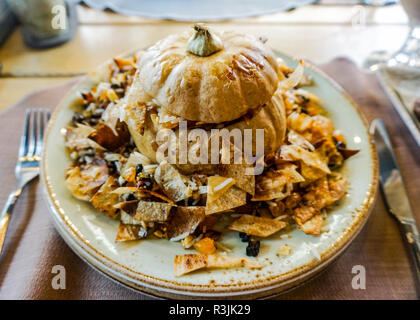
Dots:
(27, 166)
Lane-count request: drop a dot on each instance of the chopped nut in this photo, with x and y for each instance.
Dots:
(188, 241)
(284, 250)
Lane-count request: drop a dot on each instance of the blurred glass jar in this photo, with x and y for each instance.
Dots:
(409, 53)
(412, 8)
(45, 23)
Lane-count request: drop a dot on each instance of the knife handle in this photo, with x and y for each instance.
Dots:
(412, 238)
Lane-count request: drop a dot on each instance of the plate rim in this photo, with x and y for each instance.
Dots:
(168, 288)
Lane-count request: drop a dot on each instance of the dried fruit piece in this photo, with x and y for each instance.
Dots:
(253, 248)
(205, 246)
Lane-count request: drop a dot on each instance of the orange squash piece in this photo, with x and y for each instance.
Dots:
(205, 246)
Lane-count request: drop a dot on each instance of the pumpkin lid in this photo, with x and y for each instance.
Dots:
(207, 76)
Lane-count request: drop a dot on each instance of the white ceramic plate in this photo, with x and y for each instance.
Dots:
(148, 265)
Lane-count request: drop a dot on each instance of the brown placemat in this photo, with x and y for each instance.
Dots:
(33, 247)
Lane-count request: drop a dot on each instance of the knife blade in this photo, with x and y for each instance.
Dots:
(394, 192)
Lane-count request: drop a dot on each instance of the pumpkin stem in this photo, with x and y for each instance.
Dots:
(203, 43)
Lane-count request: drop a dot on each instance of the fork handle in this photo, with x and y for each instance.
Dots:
(6, 213)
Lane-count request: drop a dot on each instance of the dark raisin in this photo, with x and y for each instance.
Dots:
(145, 183)
(96, 115)
(116, 165)
(93, 121)
(244, 237)
(148, 185)
(130, 197)
(340, 145)
(139, 169)
(77, 118)
(253, 248)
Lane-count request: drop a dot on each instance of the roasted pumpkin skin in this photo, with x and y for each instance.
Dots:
(215, 88)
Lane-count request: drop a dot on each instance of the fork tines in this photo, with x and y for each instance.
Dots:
(31, 143)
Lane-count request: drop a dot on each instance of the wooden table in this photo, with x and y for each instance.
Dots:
(318, 33)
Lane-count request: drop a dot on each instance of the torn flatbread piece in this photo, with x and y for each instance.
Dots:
(106, 137)
(78, 138)
(310, 173)
(105, 200)
(147, 211)
(312, 159)
(111, 116)
(232, 198)
(217, 186)
(276, 184)
(312, 226)
(320, 195)
(174, 184)
(84, 182)
(127, 232)
(238, 173)
(184, 222)
(257, 226)
(191, 262)
(135, 117)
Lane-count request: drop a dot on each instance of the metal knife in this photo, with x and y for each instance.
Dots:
(394, 192)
